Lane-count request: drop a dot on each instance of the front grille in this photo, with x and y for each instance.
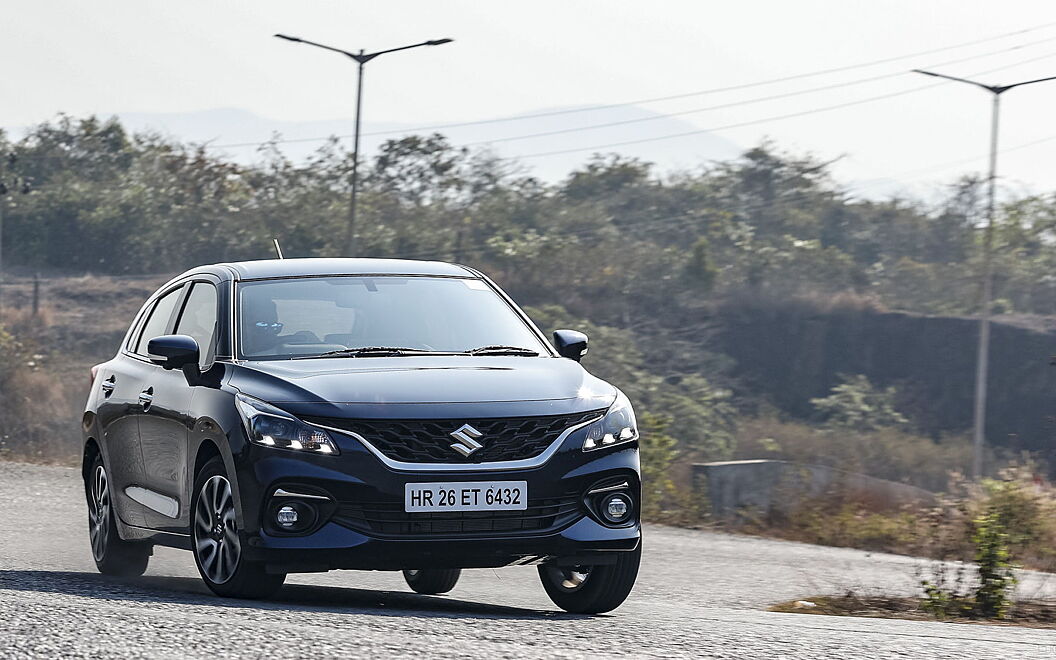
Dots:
(389, 519)
(429, 441)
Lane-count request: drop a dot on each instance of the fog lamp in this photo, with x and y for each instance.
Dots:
(616, 508)
(286, 516)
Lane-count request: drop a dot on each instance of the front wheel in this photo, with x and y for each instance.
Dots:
(112, 555)
(592, 589)
(432, 580)
(217, 541)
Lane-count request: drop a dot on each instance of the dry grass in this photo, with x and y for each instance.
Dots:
(44, 383)
(1029, 614)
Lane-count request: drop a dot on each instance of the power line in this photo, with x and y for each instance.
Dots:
(964, 161)
(764, 120)
(671, 97)
(730, 88)
(759, 99)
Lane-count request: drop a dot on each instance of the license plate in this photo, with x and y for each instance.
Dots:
(466, 496)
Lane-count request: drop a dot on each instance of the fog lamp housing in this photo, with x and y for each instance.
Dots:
(289, 515)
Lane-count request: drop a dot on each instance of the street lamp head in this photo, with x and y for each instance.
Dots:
(287, 37)
(438, 42)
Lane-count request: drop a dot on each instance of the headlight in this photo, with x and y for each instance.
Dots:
(616, 427)
(272, 427)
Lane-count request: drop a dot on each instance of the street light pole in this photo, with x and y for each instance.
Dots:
(350, 235)
(982, 361)
(361, 59)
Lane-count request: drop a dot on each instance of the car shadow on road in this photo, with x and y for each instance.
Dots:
(191, 591)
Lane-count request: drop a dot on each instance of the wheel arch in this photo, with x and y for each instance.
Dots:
(207, 450)
(91, 450)
(210, 447)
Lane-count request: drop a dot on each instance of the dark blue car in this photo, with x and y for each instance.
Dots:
(305, 415)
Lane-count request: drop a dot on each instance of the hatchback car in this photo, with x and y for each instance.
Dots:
(301, 415)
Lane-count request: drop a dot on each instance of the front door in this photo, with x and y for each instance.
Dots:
(167, 422)
(164, 428)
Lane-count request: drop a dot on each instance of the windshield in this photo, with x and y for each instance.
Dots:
(311, 316)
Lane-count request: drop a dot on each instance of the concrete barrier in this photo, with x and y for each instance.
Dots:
(737, 489)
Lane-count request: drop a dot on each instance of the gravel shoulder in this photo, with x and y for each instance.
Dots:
(700, 594)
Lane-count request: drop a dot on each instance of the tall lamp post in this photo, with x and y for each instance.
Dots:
(982, 363)
(361, 59)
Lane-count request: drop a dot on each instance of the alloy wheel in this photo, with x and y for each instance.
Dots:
(216, 540)
(99, 513)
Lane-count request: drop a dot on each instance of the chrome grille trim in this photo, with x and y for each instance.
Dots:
(523, 464)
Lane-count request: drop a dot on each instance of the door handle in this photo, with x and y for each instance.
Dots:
(146, 397)
(108, 386)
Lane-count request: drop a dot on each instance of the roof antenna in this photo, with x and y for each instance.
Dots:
(278, 250)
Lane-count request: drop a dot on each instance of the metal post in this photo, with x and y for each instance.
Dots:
(36, 295)
(2, 196)
(351, 238)
(982, 364)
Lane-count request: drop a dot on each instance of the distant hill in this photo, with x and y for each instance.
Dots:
(234, 126)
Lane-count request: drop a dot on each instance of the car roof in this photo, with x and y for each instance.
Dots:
(268, 268)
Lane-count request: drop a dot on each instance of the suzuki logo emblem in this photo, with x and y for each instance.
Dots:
(467, 440)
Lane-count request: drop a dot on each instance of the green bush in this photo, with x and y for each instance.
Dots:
(856, 405)
(990, 597)
(996, 579)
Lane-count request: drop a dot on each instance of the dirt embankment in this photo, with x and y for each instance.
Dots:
(791, 352)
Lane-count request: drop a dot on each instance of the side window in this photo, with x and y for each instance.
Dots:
(158, 319)
(198, 319)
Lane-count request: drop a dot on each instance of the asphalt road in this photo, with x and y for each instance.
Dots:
(699, 594)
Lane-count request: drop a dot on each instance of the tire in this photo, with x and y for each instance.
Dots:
(216, 541)
(592, 589)
(432, 580)
(112, 555)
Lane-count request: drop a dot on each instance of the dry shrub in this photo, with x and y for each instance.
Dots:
(804, 304)
(843, 518)
(1021, 503)
(890, 453)
(21, 322)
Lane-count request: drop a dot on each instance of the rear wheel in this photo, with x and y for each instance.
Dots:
(592, 589)
(112, 555)
(217, 541)
(432, 580)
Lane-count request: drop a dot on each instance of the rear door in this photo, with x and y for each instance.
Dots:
(122, 384)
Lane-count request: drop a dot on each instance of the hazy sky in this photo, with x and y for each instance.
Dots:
(113, 56)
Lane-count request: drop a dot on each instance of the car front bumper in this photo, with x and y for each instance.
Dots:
(357, 481)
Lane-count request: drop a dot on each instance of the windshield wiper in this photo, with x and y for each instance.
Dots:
(499, 349)
(371, 351)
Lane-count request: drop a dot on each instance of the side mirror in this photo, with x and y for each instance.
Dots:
(570, 344)
(173, 351)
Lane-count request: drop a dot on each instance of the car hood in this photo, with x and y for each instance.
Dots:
(415, 386)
